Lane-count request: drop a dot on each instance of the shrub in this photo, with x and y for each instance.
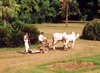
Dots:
(91, 30)
(12, 35)
(1, 22)
(15, 34)
(3, 36)
(33, 33)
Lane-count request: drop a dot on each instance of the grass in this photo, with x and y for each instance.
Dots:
(19, 48)
(95, 59)
(12, 60)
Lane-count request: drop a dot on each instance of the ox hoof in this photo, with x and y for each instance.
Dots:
(66, 49)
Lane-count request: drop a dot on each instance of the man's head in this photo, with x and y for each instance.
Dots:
(26, 33)
(42, 33)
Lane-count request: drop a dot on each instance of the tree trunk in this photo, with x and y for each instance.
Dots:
(4, 21)
(66, 13)
(66, 17)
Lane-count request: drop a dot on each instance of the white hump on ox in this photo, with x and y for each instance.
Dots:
(65, 38)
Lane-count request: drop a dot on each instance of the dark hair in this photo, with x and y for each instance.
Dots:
(42, 32)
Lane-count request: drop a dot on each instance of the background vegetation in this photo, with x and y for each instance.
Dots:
(12, 34)
(40, 11)
(91, 30)
(18, 15)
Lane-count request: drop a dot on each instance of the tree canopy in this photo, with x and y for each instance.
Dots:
(7, 8)
(41, 11)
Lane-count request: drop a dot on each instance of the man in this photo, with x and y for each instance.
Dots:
(26, 43)
(42, 38)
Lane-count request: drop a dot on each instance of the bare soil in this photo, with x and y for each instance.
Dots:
(70, 66)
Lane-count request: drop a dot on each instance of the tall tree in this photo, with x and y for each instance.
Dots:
(70, 9)
(7, 8)
(38, 11)
(89, 8)
(66, 6)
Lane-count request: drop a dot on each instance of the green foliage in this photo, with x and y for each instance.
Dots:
(1, 22)
(16, 36)
(38, 11)
(41, 11)
(83, 18)
(33, 33)
(7, 9)
(3, 35)
(90, 8)
(91, 30)
(73, 7)
(12, 35)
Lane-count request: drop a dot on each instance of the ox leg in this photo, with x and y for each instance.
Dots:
(73, 45)
(65, 45)
(54, 45)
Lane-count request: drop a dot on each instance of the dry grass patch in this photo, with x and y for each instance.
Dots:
(71, 66)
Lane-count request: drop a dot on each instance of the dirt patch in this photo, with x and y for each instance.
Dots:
(70, 66)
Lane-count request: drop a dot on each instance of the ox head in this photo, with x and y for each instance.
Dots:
(77, 35)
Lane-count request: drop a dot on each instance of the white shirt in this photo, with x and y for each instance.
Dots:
(25, 40)
(41, 37)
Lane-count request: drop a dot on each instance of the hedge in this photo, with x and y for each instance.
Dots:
(12, 35)
(91, 30)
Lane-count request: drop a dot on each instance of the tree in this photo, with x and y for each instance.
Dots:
(7, 8)
(70, 9)
(73, 11)
(38, 11)
(25, 11)
(89, 8)
(66, 6)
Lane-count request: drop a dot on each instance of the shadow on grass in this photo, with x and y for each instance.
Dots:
(20, 52)
(28, 52)
(60, 48)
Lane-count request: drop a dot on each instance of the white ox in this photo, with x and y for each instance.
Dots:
(57, 37)
(65, 38)
(70, 38)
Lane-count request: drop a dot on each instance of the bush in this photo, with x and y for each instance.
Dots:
(3, 36)
(1, 22)
(15, 34)
(12, 35)
(91, 30)
(33, 33)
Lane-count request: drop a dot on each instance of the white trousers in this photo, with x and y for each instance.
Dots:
(26, 47)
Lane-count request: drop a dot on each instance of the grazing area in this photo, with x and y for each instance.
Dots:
(13, 60)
